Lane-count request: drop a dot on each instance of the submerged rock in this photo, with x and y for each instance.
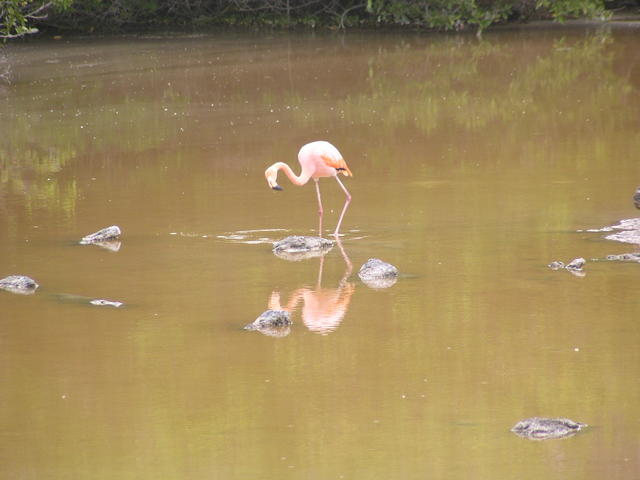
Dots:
(538, 428)
(556, 265)
(274, 323)
(71, 298)
(105, 303)
(300, 247)
(625, 257)
(102, 236)
(636, 198)
(378, 274)
(20, 284)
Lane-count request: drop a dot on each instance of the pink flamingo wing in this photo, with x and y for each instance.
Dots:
(338, 163)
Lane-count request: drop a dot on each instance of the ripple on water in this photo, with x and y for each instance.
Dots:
(269, 235)
(251, 237)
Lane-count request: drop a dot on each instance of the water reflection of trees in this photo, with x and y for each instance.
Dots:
(474, 85)
(550, 86)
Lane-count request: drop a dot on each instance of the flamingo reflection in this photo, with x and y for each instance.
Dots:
(323, 309)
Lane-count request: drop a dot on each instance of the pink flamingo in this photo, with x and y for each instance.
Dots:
(317, 159)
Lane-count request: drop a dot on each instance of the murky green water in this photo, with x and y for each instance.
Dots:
(474, 166)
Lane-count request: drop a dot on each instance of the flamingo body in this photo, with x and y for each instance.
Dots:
(317, 159)
(323, 159)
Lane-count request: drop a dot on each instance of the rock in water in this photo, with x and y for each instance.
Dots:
(299, 247)
(101, 236)
(576, 264)
(538, 428)
(105, 303)
(625, 257)
(275, 323)
(378, 274)
(295, 244)
(79, 299)
(19, 284)
(636, 198)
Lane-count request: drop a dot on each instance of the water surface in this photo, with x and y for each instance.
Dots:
(475, 165)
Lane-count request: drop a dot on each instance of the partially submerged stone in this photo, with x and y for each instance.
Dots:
(275, 323)
(80, 299)
(627, 235)
(626, 231)
(105, 303)
(101, 236)
(378, 274)
(19, 284)
(298, 247)
(636, 198)
(539, 428)
(625, 257)
(576, 264)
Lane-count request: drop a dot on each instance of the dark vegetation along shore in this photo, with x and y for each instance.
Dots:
(20, 18)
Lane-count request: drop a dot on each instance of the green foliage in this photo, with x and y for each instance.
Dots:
(458, 14)
(21, 17)
(17, 16)
(563, 9)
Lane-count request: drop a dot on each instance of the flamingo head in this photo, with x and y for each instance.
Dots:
(272, 177)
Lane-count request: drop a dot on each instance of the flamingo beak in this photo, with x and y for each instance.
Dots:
(271, 176)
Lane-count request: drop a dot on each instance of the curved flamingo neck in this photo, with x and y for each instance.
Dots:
(295, 179)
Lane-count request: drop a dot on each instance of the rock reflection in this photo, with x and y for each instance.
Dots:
(112, 246)
(323, 309)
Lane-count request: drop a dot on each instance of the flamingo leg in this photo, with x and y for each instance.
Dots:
(347, 261)
(320, 210)
(346, 204)
(320, 272)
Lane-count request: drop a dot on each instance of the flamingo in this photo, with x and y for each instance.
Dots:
(317, 159)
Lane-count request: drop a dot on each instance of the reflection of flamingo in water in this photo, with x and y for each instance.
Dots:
(317, 159)
(323, 308)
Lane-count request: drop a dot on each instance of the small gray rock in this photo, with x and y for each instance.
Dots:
(275, 323)
(576, 264)
(296, 248)
(378, 274)
(556, 265)
(20, 284)
(376, 268)
(539, 428)
(101, 236)
(636, 198)
(297, 244)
